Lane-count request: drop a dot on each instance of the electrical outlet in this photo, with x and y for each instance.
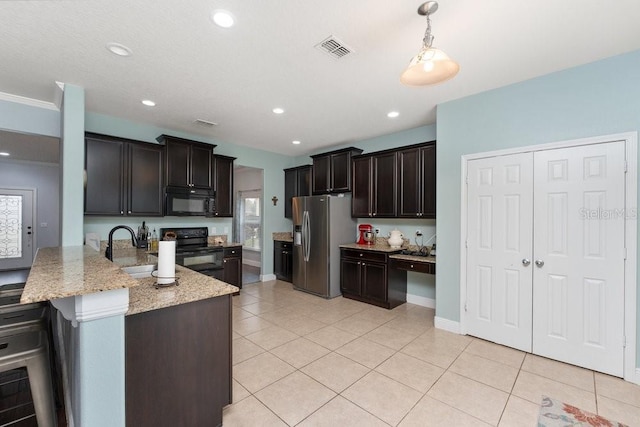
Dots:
(377, 230)
(418, 233)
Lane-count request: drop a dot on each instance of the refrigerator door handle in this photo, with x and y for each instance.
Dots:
(307, 235)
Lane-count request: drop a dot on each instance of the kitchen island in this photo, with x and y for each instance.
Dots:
(176, 340)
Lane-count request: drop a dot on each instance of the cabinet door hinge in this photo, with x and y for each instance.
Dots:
(465, 306)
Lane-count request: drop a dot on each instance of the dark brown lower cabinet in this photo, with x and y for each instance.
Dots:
(365, 276)
(178, 364)
(283, 260)
(233, 266)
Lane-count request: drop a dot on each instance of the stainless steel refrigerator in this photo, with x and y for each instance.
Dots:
(320, 225)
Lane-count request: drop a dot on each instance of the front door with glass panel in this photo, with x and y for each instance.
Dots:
(16, 229)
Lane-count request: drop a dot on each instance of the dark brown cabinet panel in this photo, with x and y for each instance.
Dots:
(124, 177)
(332, 171)
(297, 182)
(232, 263)
(374, 185)
(283, 260)
(188, 163)
(223, 185)
(417, 181)
(201, 166)
(144, 180)
(365, 276)
(178, 364)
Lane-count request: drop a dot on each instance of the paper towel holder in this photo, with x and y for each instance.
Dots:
(164, 285)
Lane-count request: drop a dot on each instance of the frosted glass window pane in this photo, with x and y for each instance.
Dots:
(10, 226)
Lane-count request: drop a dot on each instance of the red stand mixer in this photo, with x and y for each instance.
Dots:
(366, 236)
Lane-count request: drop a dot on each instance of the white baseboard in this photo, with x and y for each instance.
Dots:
(252, 263)
(636, 379)
(447, 325)
(267, 277)
(421, 301)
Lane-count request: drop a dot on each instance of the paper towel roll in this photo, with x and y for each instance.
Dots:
(166, 262)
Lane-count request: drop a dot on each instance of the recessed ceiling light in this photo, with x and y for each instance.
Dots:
(119, 49)
(393, 114)
(296, 142)
(4, 153)
(148, 103)
(222, 18)
(278, 110)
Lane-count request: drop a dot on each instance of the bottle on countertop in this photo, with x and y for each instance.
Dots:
(154, 241)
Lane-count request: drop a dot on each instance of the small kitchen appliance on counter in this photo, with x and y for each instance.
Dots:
(366, 236)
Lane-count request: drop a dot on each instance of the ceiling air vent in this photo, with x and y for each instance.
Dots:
(205, 123)
(334, 47)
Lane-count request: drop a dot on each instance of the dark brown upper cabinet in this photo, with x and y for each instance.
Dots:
(297, 182)
(124, 177)
(188, 163)
(223, 185)
(417, 181)
(332, 171)
(373, 185)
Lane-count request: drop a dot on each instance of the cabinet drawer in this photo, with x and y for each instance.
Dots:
(284, 245)
(418, 267)
(365, 255)
(232, 252)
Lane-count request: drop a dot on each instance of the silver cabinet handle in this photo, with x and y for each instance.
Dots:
(539, 263)
(526, 262)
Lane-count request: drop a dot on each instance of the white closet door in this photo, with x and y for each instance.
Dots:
(499, 279)
(578, 289)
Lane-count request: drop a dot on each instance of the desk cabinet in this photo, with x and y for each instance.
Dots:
(365, 276)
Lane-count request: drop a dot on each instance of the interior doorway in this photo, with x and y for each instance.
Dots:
(248, 220)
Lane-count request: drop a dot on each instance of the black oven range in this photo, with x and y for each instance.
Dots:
(194, 252)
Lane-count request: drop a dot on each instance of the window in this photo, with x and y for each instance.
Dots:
(250, 221)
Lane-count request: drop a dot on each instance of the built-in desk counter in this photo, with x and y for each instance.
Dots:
(419, 264)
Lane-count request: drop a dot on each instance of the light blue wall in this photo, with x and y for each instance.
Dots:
(72, 166)
(595, 99)
(272, 164)
(29, 119)
(421, 285)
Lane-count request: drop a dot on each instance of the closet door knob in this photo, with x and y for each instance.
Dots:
(526, 262)
(539, 263)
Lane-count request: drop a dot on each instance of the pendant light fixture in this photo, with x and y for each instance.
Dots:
(430, 66)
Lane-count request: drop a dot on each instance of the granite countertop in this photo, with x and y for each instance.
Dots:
(78, 270)
(225, 245)
(415, 258)
(378, 247)
(62, 272)
(282, 236)
(192, 287)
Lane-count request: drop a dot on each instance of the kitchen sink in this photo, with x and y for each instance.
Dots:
(140, 271)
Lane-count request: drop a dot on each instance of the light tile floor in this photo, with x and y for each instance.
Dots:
(300, 360)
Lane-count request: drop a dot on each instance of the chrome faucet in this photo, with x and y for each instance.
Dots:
(109, 251)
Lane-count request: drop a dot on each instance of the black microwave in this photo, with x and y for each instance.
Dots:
(189, 202)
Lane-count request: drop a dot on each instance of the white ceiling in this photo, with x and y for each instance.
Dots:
(234, 77)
